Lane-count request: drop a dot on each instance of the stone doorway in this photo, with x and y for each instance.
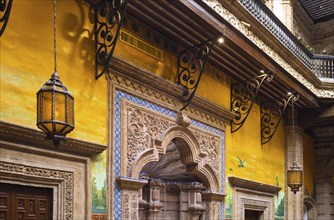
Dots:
(25, 202)
(172, 192)
(253, 214)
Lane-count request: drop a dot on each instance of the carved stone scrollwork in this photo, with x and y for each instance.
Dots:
(191, 64)
(107, 15)
(142, 127)
(272, 113)
(243, 96)
(5, 8)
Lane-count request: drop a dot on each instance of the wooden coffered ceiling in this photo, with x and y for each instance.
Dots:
(188, 23)
(319, 10)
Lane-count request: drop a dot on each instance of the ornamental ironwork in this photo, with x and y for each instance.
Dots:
(272, 112)
(108, 13)
(191, 64)
(5, 8)
(243, 96)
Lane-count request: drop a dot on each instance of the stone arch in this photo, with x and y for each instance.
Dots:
(310, 208)
(189, 149)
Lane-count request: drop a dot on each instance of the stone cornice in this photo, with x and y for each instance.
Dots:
(213, 196)
(23, 135)
(130, 183)
(252, 185)
(166, 93)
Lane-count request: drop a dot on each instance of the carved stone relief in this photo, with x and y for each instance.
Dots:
(129, 204)
(142, 128)
(149, 134)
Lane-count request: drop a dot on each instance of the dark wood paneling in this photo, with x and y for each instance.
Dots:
(25, 203)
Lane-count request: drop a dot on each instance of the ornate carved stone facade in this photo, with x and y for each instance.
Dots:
(147, 124)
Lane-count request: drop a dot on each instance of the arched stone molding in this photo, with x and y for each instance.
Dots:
(310, 204)
(191, 155)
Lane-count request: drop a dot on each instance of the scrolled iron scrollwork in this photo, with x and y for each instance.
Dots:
(5, 8)
(272, 113)
(107, 15)
(191, 64)
(243, 96)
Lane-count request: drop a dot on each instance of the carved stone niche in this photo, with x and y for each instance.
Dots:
(253, 196)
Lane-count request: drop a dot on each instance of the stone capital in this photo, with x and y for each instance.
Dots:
(130, 183)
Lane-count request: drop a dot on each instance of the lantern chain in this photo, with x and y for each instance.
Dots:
(293, 133)
(54, 35)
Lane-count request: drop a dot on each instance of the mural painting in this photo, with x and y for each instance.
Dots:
(99, 183)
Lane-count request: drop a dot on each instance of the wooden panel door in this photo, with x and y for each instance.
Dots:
(25, 203)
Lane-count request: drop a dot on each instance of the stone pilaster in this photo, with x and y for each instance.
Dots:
(294, 207)
(153, 200)
(287, 14)
(213, 202)
(130, 196)
(324, 177)
(195, 206)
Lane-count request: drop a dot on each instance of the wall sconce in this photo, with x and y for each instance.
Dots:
(295, 172)
(55, 105)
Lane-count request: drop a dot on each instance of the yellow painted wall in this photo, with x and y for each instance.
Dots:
(308, 165)
(27, 63)
(263, 163)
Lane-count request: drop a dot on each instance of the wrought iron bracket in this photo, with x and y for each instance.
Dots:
(191, 64)
(5, 8)
(272, 113)
(243, 96)
(108, 13)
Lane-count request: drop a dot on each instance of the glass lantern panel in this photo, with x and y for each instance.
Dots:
(46, 104)
(70, 114)
(294, 177)
(67, 130)
(48, 126)
(60, 108)
(59, 128)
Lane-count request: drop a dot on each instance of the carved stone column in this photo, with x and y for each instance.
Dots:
(212, 202)
(324, 148)
(195, 206)
(152, 193)
(130, 196)
(287, 14)
(294, 208)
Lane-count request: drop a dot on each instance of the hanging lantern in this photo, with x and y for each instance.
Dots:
(295, 177)
(55, 105)
(55, 109)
